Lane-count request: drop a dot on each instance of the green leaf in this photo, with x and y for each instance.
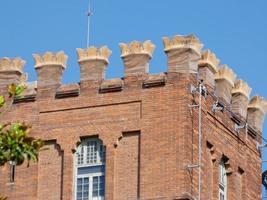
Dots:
(2, 101)
(19, 89)
(12, 90)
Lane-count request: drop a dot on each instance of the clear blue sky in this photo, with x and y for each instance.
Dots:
(236, 30)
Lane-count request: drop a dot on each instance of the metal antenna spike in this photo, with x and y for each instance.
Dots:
(89, 15)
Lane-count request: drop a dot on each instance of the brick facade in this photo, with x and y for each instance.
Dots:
(145, 122)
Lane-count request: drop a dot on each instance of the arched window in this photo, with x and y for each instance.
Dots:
(90, 170)
(223, 182)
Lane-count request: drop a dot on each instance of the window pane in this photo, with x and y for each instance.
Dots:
(79, 188)
(86, 180)
(221, 196)
(82, 189)
(79, 181)
(102, 153)
(91, 152)
(223, 182)
(79, 195)
(85, 187)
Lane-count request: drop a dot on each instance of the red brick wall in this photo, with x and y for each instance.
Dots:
(50, 172)
(127, 167)
(168, 139)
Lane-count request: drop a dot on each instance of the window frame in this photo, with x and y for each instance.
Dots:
(222, 181)
(100, 161)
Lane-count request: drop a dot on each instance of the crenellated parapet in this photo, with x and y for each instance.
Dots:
(256, 112)
(208, 67)
(136, 56)
(184, 57)
(224, 83)
(93, 62)
(183, 52)
(240, 98)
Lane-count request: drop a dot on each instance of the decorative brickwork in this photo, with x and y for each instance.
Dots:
(49, 58)
(149, 131)
(182, 42)
(93, 53)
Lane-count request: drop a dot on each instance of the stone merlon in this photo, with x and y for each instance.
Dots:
(49, 68)
(240, 98)
(210, 60)
(183, 53)
(16, 64)
(224, 83)
(11, 71)
(208, 67)
(226, 73)
(136, 56)
(256, 112)
(241, 87)
(93, 62)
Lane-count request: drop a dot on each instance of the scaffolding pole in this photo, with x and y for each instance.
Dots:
(199, 140)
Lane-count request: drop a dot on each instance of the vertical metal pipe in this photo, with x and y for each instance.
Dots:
(199, 140)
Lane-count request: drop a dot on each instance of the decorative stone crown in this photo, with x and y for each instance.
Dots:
(50, 58)
(259, 103)
(226, 73)
(136, 47)
(241, 87)
(179, 41)
(93, 53)
(16, 64)
(209, 58)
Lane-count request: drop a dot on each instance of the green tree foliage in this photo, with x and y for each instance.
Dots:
(16, 146)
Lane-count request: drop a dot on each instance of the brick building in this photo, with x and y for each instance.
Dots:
(137, 137)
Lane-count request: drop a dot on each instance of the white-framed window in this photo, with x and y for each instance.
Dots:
(90, 170)
(223, 182)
